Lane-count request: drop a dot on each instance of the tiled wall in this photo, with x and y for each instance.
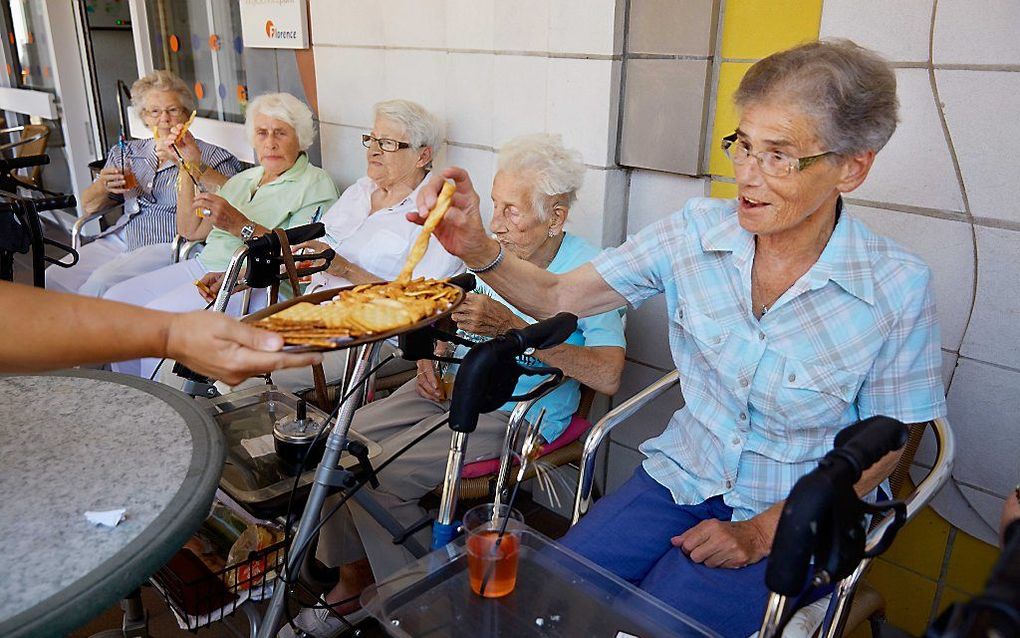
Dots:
(941, 189)
(492, 70)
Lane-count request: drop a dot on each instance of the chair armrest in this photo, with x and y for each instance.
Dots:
(190, 249)
(929, 486)
(182, 249)
(599, 431)
(79, 226)
(922, 495)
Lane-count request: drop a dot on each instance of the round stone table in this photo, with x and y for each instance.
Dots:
(88, 440)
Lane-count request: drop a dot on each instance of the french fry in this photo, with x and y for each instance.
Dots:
(185, 128)
(421, 243)
(205, 290)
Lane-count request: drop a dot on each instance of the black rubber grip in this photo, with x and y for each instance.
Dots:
(867, 441)
(295, 235)
(797, 533)
(465, 281)
(547, 333)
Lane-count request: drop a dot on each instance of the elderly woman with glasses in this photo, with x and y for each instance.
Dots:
(285, 190)
(143, 175)
(788, 320)
(368, 226)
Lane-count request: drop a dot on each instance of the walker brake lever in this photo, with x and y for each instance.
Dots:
(326, 255)
(360, 451)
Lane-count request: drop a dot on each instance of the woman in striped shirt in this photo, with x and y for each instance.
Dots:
(142, 175)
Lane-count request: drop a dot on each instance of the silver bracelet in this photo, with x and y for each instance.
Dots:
(495, 262)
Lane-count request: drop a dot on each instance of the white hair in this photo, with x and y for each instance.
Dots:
(558, 171)
(161, 81)
(286, 108)
(422, 127)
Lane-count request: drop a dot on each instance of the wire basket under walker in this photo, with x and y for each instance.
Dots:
(199, 596)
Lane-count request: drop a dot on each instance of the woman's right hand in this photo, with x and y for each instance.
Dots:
(428, 382)
(112, 180)
(209, 285)
(461, 232)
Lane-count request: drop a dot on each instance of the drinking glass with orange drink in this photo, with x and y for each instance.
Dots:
(130, 181)
(490, 563)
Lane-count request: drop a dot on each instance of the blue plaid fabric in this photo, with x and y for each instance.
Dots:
(854, 337)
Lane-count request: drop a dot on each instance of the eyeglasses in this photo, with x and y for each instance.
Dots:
(773, 163)
(385, 143)
(173, 111)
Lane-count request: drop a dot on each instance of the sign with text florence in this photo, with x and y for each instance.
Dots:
(275, 24)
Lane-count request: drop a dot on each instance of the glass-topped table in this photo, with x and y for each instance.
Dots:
(558, 594)
(262, 483)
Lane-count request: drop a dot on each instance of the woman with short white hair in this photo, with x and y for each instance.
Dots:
(285, 190)
(143, 175)
(537, 181)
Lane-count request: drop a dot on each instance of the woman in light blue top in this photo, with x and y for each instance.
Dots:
(788, 320)
(535, 185)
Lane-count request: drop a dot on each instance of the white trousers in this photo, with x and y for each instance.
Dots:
(171, 289)
(106, 262)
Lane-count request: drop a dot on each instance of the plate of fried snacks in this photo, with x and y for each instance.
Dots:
(345, 317)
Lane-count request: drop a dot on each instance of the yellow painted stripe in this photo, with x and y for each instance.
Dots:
(722, 190)
(753, 29)
(730, 74)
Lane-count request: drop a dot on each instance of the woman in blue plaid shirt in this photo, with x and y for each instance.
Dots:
(788, 320)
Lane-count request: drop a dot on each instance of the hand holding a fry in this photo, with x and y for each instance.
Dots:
(163, 151)
(186, 144)
(484, 316)
(461, 230)
(209, 285)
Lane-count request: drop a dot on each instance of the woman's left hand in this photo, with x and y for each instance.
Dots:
(484, 316)
(221, 213)
(726, 544)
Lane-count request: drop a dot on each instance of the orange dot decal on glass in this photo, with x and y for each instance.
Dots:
(46, 71)
(10, 37)
(199, 90)
(214, 42)
(31, 37)
(175, 44)
(242, 93)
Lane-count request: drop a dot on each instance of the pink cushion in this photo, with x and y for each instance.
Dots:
(575, 429)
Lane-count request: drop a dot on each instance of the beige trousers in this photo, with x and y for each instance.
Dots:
(393, 422)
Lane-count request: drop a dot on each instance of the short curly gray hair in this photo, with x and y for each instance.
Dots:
(558, 170)
(161, 81)
(850, 92)
(421, 126)
(286, 108)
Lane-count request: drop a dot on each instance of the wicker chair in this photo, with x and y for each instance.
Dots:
(32, 140)
(478, 479)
